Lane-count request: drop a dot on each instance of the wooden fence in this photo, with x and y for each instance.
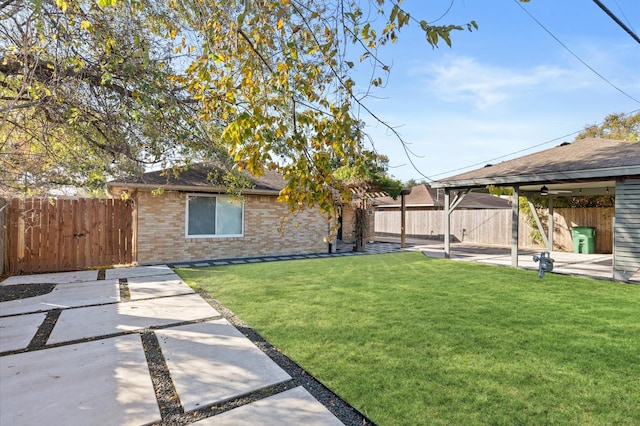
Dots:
(4, 255)
(493, 226)
(47, 235)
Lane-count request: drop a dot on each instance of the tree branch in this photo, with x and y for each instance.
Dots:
(45, 71)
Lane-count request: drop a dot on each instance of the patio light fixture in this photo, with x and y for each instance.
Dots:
(544, 190)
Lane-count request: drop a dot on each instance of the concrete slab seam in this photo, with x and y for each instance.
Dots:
(39, 340)
(125, 294)
(12, 292)
(165, 390)
(171, 409)
(224, 406)
(107, 336)
(95, 304)
(334, 403)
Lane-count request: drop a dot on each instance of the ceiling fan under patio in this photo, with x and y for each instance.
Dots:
(546, 191)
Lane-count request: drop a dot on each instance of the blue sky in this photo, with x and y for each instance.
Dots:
(506, 87)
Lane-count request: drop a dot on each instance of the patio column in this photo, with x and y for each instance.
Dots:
(550, 225)
(515, 222)
(447, 223)
(403, 207)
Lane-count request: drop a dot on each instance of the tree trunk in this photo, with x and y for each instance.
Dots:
(361, 228)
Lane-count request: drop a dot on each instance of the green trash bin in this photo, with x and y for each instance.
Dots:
(584, 239)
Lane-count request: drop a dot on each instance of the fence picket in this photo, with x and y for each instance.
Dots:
(63, 235)
(493, 226)
(16, 238)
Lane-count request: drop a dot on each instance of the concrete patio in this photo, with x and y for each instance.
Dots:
(137, 347)
(590, 265)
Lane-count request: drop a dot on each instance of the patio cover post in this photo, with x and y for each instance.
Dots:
(515, 222)
(550, 225)
(447, 223)
(403, 207)
(402, 222)
(544, 234)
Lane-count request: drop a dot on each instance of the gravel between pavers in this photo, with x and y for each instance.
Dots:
(340, 408)
(24, 291)
(168, 400)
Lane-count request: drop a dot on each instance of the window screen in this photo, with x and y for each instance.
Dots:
(209, 216)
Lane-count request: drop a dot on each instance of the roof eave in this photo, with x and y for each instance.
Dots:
(407, 205)
(612, 172)
(187, 188)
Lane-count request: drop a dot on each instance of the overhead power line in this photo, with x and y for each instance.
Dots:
(625, 16)
(635, 37)
(616, 20)
(574, 54)
(511, 154)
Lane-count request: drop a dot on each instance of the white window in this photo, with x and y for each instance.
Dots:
(214, 216)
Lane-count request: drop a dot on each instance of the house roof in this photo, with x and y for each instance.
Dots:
(583, 160)
(420, 195)
(199, 178)
(425, 196)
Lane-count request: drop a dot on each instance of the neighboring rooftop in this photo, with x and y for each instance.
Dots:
(425, 196)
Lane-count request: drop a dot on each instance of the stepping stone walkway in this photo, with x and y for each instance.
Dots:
(136, 346)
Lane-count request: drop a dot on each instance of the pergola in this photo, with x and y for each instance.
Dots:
(584, 167)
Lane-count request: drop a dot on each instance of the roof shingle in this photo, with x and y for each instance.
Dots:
(583, 155)
(425, 196)
(199, 176)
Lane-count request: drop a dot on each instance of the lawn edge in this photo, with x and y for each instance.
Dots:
(340, 408)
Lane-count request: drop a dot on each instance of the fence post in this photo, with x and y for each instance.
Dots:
(4, 256)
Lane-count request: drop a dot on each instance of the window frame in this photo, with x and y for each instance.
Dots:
(218, 197)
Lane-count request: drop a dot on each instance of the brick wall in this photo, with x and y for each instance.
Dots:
(349, 224)
(161, 231)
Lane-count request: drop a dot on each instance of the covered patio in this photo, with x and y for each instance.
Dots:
(590, 265)
(583, 168)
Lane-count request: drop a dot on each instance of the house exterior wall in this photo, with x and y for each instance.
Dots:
(626, 256)
(161, 231)
(371, 224)
(349, 224)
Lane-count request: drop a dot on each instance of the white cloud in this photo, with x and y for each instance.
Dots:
(465, 79)
(459, 110)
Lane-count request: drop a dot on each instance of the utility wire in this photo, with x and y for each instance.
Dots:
(625, 16)
(507, 155)
(521, 150)
(616, 20)
(575, 55)
(563, 136)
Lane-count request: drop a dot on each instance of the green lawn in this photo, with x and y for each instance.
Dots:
(410, 340)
